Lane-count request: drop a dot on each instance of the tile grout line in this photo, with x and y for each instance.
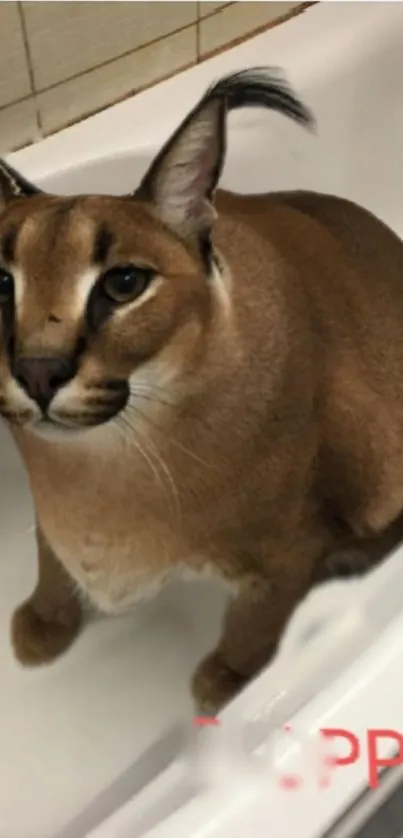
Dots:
(198, 32)
(16, 101)
(30, 70)
(201, 18)
(109, 61)
(299, 8)
(125, 54)
(117, 101)
(114, 60)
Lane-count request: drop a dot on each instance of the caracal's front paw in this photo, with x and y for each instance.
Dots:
(214, 684)
(38, 639)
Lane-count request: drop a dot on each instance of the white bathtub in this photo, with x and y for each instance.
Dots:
(72, 734)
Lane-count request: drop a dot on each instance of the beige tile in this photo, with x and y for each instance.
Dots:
(208, 7)
(67, 39)
(237, 21)
(14, 76)
(95, 90)
(18, 125)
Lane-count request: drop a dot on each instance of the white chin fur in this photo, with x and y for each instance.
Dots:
(19, 401)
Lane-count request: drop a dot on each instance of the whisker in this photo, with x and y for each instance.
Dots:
(155, 424)
(163, 465)
(139, 395)
(148, 389)
(146, 452)
(115, 425)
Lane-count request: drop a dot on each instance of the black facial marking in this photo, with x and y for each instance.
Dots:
(79, 350)
(58, 218)
(8, 317)
(65, 207)
(206, 252)
(99, 308)
(53, 319)
(7, 245)
(102, 245)
(114, 384)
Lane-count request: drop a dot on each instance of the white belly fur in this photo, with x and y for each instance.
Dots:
(116, 586)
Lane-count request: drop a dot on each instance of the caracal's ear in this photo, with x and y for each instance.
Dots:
(179, 185)
(13, 185)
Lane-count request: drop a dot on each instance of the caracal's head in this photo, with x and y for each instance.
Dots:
(103, 298)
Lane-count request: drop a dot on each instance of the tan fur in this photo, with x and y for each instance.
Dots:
(266, 415)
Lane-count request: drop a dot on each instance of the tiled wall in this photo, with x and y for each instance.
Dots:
(62, 61)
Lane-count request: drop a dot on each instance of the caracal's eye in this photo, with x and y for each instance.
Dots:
(125, 283)
(6, 287)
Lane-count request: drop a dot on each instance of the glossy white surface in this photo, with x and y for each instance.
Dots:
(68, 730)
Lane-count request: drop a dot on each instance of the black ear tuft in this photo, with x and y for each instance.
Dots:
(13, 185)
(262, 87)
